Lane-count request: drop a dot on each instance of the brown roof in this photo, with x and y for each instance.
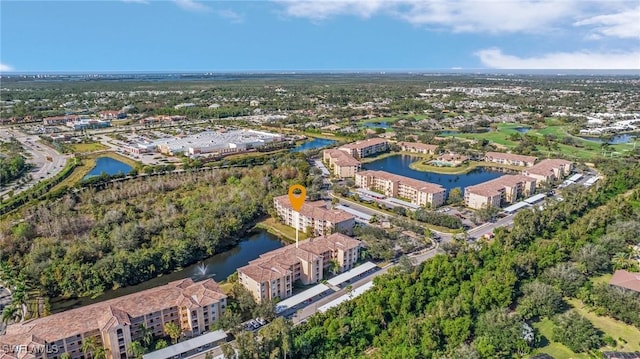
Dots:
(104, 314)
(422, 146)
(342, 158)
(545, 167)
(493, 187)
(263, 272)
(322, 244)
(511, 156)
(625, 279)
(452, 157)
(317, 210)
(365, 143)
(417, 184)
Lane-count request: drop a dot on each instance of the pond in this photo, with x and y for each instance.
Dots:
(399, 164)
(613, 140)
(218, 267)
(316, 143)
(109, 166)
(522, 129)
(377, 125)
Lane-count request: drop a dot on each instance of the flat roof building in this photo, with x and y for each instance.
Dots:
(216, 142)
(505, 189)
(414, 191)
(116, 323)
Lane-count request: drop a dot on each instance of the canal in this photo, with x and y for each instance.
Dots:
(109, 166)
(218, 267)
(399, 164)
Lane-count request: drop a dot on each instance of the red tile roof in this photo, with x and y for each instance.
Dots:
(625, 279)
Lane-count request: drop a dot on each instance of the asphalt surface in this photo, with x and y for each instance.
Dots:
(43, 168)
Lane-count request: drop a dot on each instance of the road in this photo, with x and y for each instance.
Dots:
(43, 168)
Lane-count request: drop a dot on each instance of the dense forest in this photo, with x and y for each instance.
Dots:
(131, 231)
(482, 301)
(13, 165)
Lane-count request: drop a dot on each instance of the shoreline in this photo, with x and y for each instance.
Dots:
(418, 166)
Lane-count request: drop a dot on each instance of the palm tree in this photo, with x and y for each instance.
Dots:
(136, 350)
(173, 331)
(89, 346)
(146, 334)
(11, 314)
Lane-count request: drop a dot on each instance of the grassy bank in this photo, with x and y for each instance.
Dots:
(283, 231)
(390, 154)
(88, 162)
(463, 169)
(88, 147)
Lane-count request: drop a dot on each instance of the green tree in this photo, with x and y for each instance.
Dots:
(146, 334)
(173, 331)
(161, 344)
(540, 299)
(455, 195)
(90, 345)
(136, 350)
(227, 351)
(576, 332)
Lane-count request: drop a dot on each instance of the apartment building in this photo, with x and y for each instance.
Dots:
(116, 323)
(314, 216)
(505, 189)
(272, 275)
(342, 164)
(417, 192)
(549, 170)
(417, 147)
(510, 159)
(364, 148)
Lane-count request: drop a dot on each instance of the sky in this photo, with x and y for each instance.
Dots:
(310, 35)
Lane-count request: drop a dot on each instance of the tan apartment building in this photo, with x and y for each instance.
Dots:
(505, 189)
(417, 192)
(417, 147)
(116, 323)
(315, 216)
(272, 275)
(364, 148)
(342, 164)
(549, 170)
(510, 159)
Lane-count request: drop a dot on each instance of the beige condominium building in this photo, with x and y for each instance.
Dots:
(417, 192)
(505, 189)
(273, 274)
(510, 159)
(116, 323)
(417, 147)
(549, 170)
(364, 148)
(314, 216)
(342, 164)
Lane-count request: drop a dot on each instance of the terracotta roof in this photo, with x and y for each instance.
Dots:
(341, 158)
(625, 279)
(545, 167)
(19, 346)
(365, 143)
(317, 210)
(511, 156)
(107, 313)
(322, 244)
(493, 187)
(418, 145)
(263, 272)
(417, 184)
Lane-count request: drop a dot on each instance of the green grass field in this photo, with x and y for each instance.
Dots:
(555, 349)
(273, 226)
(422, 166)
(88, 147)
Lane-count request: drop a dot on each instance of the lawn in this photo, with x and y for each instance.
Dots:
(88, 147)
(612, 327)
(283, 231)
(422, 166)
(555, 349)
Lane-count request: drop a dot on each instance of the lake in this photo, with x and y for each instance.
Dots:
(614, 140)
(313, 144)
(109, 166)
(399, 164)
(522, 129)
(218, 267)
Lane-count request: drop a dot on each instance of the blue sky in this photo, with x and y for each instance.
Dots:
(371, 35)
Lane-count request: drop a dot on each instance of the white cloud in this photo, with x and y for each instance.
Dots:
(492, 16)
(232, 16)
(192, 5)
(587, 60)
(5, 68)
(624, 24)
